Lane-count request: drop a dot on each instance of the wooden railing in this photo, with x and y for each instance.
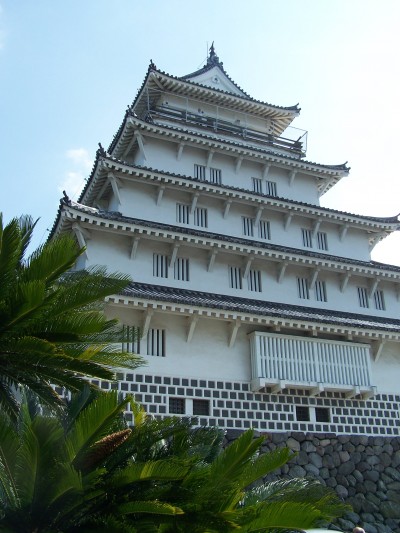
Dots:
(282, 361)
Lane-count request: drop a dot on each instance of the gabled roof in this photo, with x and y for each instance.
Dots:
(157, 81)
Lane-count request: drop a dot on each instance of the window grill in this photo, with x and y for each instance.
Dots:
(248, 226)
(322, 414)
(200, 172)
(254, 281)
(264, 230)
(271, 188)
(235, 277)
(257, 184)
(322, 240)
(307, 237)
(132, 339)
(363, 297)
(215, 176)
(156, 342)
(201, 407)
(177, 406)
(160, 266)
(200, 217)
(379, 300)
(320, 291)
(302, 288)
(302, 413)
(182, 213)
(181, 269)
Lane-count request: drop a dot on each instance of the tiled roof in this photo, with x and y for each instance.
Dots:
(112, 215)
(258, 307)
(381, 220)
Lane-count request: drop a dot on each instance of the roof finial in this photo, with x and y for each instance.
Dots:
(213, 59)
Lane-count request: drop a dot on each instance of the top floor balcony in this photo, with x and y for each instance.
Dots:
(294, 142)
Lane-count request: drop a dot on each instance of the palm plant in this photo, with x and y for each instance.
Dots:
(52, 326)
(89, 472)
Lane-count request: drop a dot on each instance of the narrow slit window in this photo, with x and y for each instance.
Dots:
(131, 339)
(322, 240)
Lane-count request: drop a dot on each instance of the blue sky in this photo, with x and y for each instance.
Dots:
(69, 69)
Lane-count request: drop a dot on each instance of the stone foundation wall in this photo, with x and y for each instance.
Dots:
(363, 470)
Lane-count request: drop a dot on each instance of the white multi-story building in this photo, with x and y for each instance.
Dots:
(256, 306)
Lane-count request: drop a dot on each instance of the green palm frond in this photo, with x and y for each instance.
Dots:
(153, 507)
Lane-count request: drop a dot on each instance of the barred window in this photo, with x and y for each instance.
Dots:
(182, 213)
(131, 339)
(200, 217)
(200, 172)
(248, 226)
(181, 269)
(264, 230)
(156, 342)
(201, 407)
(363, 297)
(177, 406)
(215, 176)
(254, 281)
(379, 300)
(307, 237)
(320, 291)
(271, 188)
(160, 266)
(257, 184)
(302, 288)
(235, 277)
(322, 240)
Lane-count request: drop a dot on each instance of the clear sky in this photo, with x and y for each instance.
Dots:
(69, 69)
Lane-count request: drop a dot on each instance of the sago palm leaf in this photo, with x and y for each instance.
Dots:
(165, 470)
(152, 507)
(264, 464)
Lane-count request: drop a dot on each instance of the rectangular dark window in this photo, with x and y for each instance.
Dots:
(248, 226)
(235, 277)
(302, 413)
(363, 297)
(177, 406)
(181, 269)
(201, 407)
(271, 188)
(200, 172)
(307, 237)
(156, 342)
(322, 414)
(302, 288)
(215, 176)
(257, 184)
(160, 266)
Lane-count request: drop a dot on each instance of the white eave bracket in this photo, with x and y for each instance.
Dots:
(160, 194)
(287, 219)
(148, 314)
(376, 348)
(192, 322)
(116, 186)
(227, 206)
(292, 175)
(174, 253)
(138, 136)
(233, 330)
(344, 281)
(281, 271)
(211, 260)
(135, 244)
(82, 235)
(179, 151)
